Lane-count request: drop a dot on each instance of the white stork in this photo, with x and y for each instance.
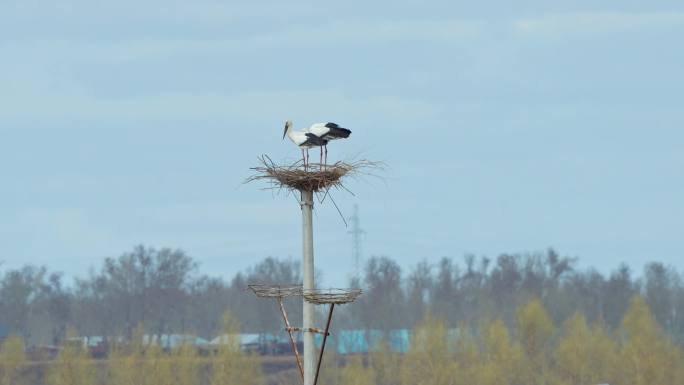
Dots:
(328, 131)
(304, 140)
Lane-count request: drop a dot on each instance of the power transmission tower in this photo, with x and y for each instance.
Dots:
(356, 233)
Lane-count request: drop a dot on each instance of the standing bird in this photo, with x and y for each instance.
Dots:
(304, 140)
(328, 131)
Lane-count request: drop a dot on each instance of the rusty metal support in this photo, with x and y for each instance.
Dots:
(292, 340)
(325, 337)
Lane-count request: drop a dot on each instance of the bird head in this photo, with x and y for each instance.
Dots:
(288, 125)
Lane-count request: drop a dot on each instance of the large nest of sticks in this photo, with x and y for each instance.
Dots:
(275, 291)
(331, 296)
(315, 178)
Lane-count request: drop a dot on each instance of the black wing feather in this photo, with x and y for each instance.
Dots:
(338, 133)
(315, 140)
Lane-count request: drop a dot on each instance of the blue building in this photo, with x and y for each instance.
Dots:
(4, 332)
(364, 341)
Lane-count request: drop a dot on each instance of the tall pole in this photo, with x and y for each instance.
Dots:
(308, 265)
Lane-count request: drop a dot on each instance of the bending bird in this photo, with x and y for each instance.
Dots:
(328, 131)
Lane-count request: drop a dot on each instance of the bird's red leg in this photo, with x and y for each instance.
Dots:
(321, 161)
(326, 155)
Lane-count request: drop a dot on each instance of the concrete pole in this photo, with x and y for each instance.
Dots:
(308, 265)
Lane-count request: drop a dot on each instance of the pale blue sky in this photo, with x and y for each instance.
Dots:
(507, 127)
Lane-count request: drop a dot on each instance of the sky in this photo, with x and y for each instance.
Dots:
(505, 127)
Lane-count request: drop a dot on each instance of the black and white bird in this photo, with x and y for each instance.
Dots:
(328, 131)
(304, 140)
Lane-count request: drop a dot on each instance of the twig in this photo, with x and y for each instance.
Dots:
(339, 212)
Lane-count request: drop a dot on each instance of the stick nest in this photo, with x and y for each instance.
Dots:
(331, 296)
(276, 291)
(315, 178)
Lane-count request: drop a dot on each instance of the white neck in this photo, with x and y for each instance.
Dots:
(290, 132)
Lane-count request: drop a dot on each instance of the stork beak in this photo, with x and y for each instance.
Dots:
(285, 132)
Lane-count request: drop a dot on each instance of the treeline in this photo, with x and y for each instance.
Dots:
(134, 363)
(161, 289)
(165, 291)
(483, 289)
(535, 351)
